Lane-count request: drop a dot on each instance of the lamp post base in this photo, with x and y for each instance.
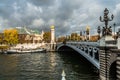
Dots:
(104, 39)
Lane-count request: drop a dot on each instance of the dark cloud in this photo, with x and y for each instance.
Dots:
(42, 2)
(67, 15)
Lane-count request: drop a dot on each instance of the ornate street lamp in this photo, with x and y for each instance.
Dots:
(87, 32)
(114, 29)
(80, 33)
(106, 19)
(84, 35)
(106, 31)
(99, 31)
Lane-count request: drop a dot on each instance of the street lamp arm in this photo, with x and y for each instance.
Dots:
(112, 16)
(101, 19)
(110, 19)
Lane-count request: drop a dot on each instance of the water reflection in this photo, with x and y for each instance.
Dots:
(44, 66)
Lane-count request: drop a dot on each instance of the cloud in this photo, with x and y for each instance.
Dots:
(67, 15)
(38, 22)
(3, 23)
(42, 2)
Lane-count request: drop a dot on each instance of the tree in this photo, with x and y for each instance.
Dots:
(47, 37)
(61, 39)
(74, 36)
(1, 38)
(94, 38)
(11, 36)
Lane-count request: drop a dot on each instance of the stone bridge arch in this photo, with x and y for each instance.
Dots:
(86, 56)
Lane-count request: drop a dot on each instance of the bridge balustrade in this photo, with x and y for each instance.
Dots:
(82, 48)
(89, 48)
(86, 49)
(95, 53)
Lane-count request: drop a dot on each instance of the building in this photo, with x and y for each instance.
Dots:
(29, 36)
(26, 36)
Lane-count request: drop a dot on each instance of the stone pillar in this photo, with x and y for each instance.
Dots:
(106, 58)
(118, 42)
(104, 69)
(118, 57)
(118, 67)
(52, 43)
(52, 34)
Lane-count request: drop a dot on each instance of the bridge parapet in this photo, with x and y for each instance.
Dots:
(90, 48)
(84, 43)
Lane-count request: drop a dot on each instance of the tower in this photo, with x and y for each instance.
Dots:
(52, 44)
(52, 34)
(87, 33)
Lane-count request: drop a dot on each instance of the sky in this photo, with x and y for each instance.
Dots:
(67, 16)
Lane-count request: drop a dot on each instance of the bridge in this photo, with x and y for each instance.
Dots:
(105, 56)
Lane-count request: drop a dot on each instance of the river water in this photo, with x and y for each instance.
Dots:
(45, 66)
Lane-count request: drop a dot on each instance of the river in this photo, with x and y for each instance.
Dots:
(45, 66)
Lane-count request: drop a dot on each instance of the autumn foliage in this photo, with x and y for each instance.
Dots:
(11, 36)
(47, 37)
(94, 38)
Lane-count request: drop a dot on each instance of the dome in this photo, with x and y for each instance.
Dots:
(87, 27)
(52, 27)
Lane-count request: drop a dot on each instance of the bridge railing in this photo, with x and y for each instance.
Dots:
(85, 43)
(90, 48)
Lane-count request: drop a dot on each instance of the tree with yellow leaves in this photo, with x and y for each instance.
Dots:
(47, 37)
(1, 38)
(11, 36)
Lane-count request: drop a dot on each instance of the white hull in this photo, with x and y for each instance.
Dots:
(26, 51)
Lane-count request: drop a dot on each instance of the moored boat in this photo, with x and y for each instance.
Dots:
(25, 51)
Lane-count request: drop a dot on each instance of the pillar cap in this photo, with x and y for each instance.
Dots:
(87, 27)
(52, 27)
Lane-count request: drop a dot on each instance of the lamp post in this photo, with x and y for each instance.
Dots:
(114, 30)
(106, 31)
(106, 19)
(99, 31)
(87, 32)
(84, 35)
(80, 34)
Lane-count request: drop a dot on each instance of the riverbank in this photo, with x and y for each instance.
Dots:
(23, 48)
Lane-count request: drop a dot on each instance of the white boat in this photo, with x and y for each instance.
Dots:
(25, 51)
